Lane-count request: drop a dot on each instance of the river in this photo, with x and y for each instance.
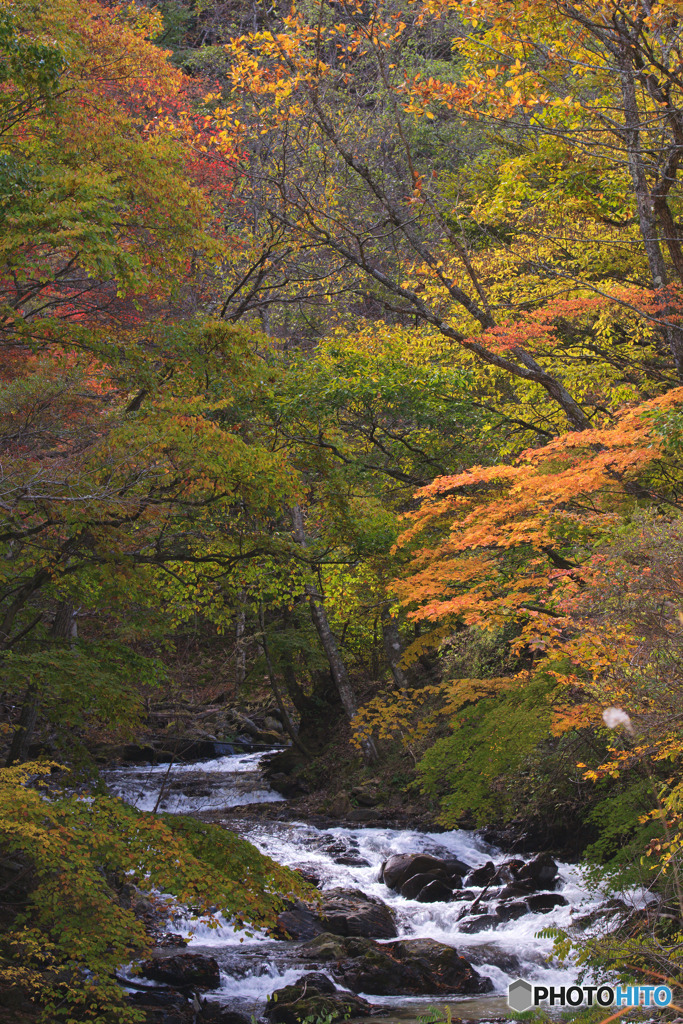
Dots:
(252, 967)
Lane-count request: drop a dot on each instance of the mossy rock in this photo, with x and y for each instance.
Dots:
(314, 997)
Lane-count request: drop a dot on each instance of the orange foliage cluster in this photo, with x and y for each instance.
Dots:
(518, 544)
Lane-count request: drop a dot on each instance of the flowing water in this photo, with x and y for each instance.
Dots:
(254, 966)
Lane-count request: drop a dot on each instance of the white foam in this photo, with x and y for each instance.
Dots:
(230, 781)
(257, 984)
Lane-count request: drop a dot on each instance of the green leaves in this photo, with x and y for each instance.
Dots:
(91, 858)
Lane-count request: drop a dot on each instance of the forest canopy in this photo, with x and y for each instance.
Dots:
(341, 360)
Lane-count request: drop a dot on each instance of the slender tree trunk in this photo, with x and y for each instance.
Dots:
(240, 650)
(393, 648)
(291, 731)
(646, 204)
(25, 727)
(329, 644)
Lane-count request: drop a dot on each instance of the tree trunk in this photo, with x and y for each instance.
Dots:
(23, 733)
(287, 722)
(329, 644)
(645, 203)
(393, 648)
(240, 650)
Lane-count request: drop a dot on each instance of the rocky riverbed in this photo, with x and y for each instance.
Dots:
(405, 919)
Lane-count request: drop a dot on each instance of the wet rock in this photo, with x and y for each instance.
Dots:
(313, 996)
(455, 867)
(340, 911)
(172, 939)
(298, 921)
(217, 1014)
(325, 947)
(481, 876)
(352, 860)
(544, 902)
(270, 739)
(405, 967)
(352, 912)
(463, 894)
(396, 871)
(163, 1007)
(413, 966)
(337, 846)
(516, 890)
(510, 870)
(435, 892)
(412, 888)
(482, 923)
(541, 872)
(511, 911)
(609, 909)
(309, 875)
(183, 971)
(486, 953)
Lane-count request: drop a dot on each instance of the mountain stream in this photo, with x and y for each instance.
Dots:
(254, 966)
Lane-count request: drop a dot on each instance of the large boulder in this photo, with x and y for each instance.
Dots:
(481, 923)
(400, 867)
(435, 892)
(313, 997)
(352, 912)
(340, 911)
(544, 902)
(541, 872)
(298, 921)
(405, 967)
(483, 875)
(414, 886)
(519, 877)
(511, 911)
(327, 947)
(183, 971)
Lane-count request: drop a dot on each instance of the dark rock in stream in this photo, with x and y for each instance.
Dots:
(185, 971)
(415, 886)
(405, 967)
(314, 997)
(544, 902)
(463, 894)
(481, 876)
(401, 867)
(172, 939)
(298, 921)
(482, 923)
(541, 872)
(435, 892)
(340, 911)
(163, 1007)
(521, 878)
(511, 911)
